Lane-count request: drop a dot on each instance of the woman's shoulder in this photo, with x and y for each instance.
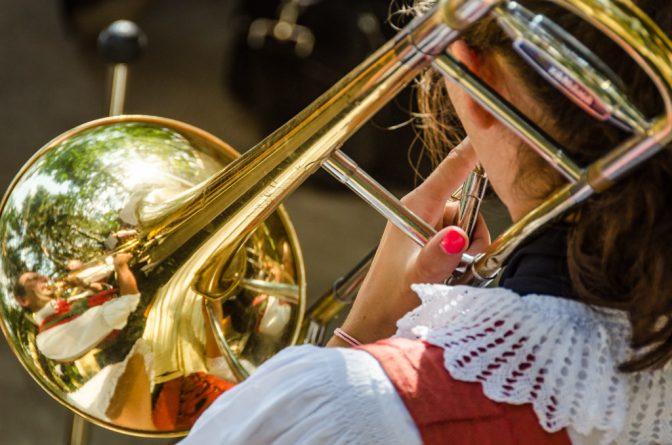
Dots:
(327, 395)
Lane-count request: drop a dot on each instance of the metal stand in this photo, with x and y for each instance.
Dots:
(119, 44)
(79, 431)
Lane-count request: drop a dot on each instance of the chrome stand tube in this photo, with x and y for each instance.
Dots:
(118, 94)
(78, 433)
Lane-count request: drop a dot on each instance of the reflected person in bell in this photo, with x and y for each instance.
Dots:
(71, 327)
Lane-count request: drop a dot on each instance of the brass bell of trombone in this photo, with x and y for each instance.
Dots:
(125, 358)
(146, 271)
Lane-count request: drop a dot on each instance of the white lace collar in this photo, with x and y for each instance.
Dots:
(559, 355)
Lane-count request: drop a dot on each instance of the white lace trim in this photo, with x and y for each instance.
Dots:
(559, 355)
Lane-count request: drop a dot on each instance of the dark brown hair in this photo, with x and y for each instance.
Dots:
(620, 244)
(19, 290)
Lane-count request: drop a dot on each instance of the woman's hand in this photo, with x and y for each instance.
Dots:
(386, 295)
(121, 259)
(127, 283)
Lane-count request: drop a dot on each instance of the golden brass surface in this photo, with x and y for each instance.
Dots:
(141, 278)
(137, 353)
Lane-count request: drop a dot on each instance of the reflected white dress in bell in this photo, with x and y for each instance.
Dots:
(74, 338)
(71, 340)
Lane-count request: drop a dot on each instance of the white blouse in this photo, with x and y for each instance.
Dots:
(558, 355)
(309, 395)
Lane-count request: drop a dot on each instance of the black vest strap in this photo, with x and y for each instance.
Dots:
(539, 266)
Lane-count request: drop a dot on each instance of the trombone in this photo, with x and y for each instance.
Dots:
(215, 257)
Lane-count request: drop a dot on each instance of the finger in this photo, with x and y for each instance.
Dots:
(450, 212)
(480, 238)
(448, 175)
(442, 254)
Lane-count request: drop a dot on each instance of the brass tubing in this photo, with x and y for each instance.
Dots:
(348, 172)
(473, 191)
(570, 67)
(488, 264)
(641, 38)
(636, 33)
(652, 49)
(323, 312)
(511, 117)
(251, 187)
(345, 288)
(239, 372)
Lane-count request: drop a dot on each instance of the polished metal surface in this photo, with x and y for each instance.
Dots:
(460, 14)
(472, 193)
(141, 279)
(538, 140)
(570, 66)
(141, 364)
(119, 82)
(651, 48)
(348, 172)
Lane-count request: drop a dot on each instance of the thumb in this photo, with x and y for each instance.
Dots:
(442, 254)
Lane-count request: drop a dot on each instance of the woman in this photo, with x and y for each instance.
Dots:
(572, 347)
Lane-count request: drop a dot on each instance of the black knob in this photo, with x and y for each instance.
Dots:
(121, 42)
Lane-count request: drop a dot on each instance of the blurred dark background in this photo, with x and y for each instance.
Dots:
(215, 64)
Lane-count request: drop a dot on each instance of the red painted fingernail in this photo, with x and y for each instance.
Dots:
(453, 242)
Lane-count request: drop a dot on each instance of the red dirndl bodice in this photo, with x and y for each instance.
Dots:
(448, 411)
